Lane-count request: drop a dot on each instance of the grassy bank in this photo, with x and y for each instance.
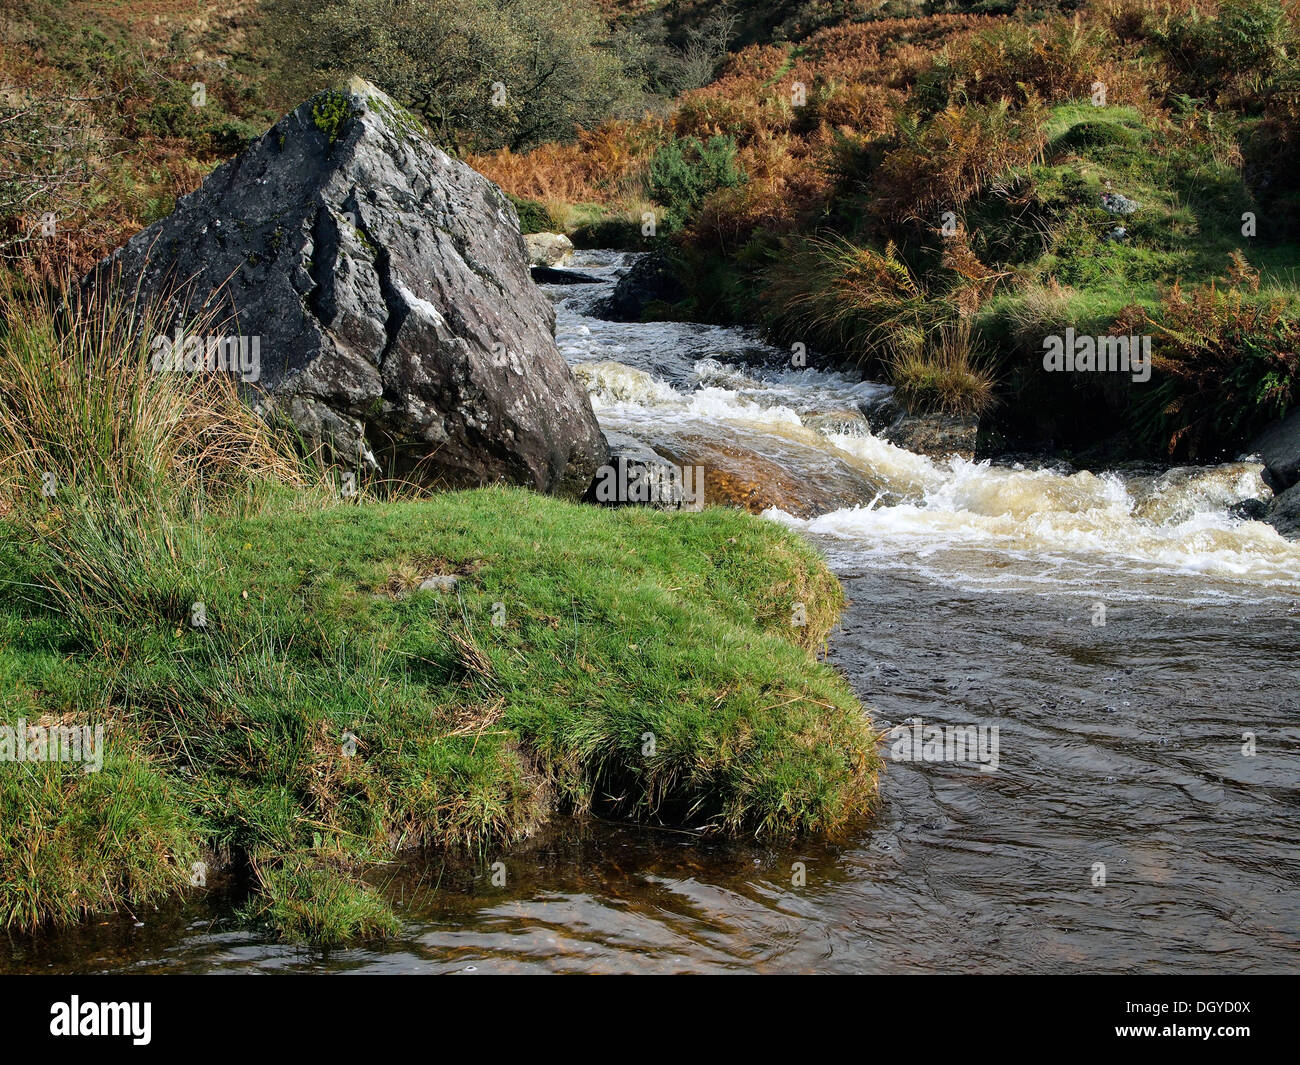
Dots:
(279, 695)
(329, 714)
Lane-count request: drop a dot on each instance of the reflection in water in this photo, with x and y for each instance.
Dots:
(973, 591)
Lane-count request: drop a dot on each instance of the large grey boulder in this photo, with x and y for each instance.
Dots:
(388, 288)
(1278, 447)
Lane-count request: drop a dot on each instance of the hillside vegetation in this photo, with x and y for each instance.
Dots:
(926, 197)
(913, 187)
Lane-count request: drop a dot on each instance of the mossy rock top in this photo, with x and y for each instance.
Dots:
(1086, 135)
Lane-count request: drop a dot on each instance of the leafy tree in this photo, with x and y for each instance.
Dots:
(483, 73)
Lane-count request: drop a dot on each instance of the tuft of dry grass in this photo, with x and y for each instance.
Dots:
(842, 296)
(942, 372)
(83, 410)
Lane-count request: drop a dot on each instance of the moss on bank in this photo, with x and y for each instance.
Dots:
(329, 714)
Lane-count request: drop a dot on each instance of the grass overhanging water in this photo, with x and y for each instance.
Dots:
(279, 696)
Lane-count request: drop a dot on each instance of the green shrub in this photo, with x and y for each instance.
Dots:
(686, 170)
(533, 216)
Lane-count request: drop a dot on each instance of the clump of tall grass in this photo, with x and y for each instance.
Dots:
(106, 464)
(106, 564)
(843, 297)
(942, 371)
(868, 306)
(82, 409)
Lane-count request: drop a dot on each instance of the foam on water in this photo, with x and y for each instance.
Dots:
(1016, 528)
(1163, 536)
